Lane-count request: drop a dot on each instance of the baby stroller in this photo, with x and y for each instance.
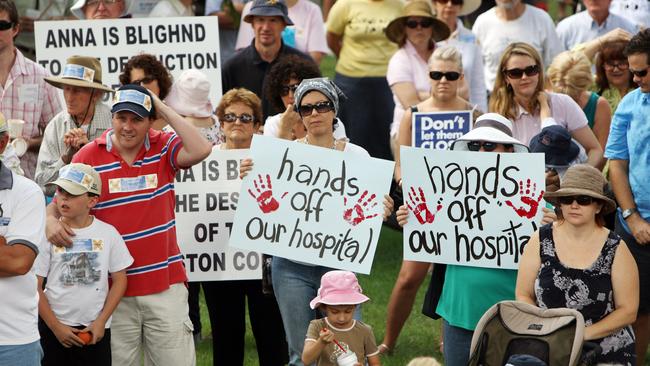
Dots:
(555, 336)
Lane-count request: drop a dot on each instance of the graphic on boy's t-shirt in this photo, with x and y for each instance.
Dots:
(80, 262)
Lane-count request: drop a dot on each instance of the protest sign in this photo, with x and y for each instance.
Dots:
(312, 204)
(437, 130)
(206, 200)
(179, 43)
(470, 208)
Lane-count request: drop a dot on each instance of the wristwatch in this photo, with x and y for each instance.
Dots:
(628, 212)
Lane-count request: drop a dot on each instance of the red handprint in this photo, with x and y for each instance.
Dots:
(356, 214)
(265, 198)
(418, 205)
(527, 198)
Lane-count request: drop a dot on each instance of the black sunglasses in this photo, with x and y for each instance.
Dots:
(449, 75)
(476, 145)
(4, 25)
(243, 118)
(424, 23)
(582, 200)
(640, 73)
(455, 2)
(285, 89)
(144, 80)
(531, 70)
(320, 107)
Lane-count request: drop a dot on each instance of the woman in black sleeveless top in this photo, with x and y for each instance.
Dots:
(579, 264)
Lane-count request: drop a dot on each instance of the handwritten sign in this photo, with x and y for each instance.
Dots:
(470, 208)
(437, 130)
(179, 43)
(311, 204)
(206, 201)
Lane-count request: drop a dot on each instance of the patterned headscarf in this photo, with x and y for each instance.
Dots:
(322, 85)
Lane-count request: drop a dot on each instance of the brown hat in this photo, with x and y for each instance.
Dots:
(416, 8)
(81, 71)
(584, 180)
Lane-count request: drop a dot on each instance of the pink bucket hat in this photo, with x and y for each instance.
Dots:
(190, 95)
(339, 288)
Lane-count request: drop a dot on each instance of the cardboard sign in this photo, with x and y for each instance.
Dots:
(179, 43)
(312, 204)
(206, 201)
(470, 208)
(437, 130)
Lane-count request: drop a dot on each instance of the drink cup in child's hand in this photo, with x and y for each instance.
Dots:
(347, 359)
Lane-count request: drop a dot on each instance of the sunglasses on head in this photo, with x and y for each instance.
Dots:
(486, 145)
(4, 25)
(515, 73)
(640, 73)
(320, 107)
(285, 89)
(582, 200)
(449, 75)
(454, 2)
(424, 23)
(610, 65)
(243, 118)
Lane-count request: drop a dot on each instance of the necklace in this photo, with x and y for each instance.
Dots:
(307, 142)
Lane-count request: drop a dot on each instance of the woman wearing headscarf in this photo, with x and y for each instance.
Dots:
(295, 284)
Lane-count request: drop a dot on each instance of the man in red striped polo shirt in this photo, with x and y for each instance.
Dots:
(137, 166)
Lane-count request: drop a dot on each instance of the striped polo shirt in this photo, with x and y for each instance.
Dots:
(139, 201)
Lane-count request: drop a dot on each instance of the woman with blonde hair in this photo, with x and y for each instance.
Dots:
(519, 95)
(570, 74)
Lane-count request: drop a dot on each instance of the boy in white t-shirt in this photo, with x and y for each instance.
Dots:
(76, 306)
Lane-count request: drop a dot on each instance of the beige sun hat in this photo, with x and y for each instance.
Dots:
(416, 8)
(81, 71)
(583, 180)
(469, 6)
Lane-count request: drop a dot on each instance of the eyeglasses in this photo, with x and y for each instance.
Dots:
(582, 200)
(531, 70)
(449, 75)
(284, 91)
(144, 80)
(476, 145)
(424, 23)
(243, 118)
(4, 25)
(106, 2)
(609, 66)
(320, 107)
(454, 2)
(640, 73)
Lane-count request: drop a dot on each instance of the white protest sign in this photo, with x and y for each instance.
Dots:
(206, 200)
(311, 204)
(437, 130)
(179, 43)
(470, 208)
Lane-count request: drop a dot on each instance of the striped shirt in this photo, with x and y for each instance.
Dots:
(27, 96)
(139, 201)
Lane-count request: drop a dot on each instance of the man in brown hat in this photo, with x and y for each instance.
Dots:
(84, 119)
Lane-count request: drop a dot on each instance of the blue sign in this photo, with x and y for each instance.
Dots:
(437, 130)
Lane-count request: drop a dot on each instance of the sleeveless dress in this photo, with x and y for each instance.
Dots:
(587, 290)
(590, 109)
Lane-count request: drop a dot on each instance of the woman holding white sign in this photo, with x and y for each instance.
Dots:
(445, 72)
(295, 284)
(240, 115)
(578, 263)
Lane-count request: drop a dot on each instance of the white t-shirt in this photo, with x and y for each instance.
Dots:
(77, 277)
(534, 27)
(307, 34)
(22, 222)
(272, 127)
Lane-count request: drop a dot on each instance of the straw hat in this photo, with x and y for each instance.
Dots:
(469, 6)
(81, 71)
(583, 180)
(416, 8)
(490, 127)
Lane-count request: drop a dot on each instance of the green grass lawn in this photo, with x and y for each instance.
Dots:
(419, 337)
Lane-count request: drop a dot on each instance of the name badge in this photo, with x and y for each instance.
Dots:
(4, 221)
(143, 182)
(78, 246)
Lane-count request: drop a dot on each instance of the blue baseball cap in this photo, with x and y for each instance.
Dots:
(133, 98)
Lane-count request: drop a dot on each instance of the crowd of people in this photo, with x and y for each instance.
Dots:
(90, 266)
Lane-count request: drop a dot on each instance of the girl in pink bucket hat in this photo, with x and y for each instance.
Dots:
(339, 339)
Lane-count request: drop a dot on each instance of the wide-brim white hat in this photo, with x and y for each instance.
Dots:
(77, 8)
(490, 127)
(190, 95)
